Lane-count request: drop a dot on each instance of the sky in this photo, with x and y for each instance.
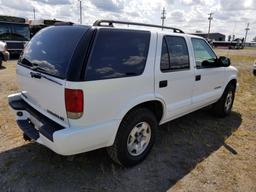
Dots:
(230, 16)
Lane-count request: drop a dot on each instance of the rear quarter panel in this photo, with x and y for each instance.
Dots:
(110, 99)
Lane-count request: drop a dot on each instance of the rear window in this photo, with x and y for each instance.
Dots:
(118, 53)
(51, 49)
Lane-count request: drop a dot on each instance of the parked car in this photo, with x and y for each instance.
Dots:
(4, 54)
(88, 87)
(14, 31)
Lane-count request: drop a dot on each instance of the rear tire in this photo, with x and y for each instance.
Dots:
(223, 106)
(135, 137)
(1, 60)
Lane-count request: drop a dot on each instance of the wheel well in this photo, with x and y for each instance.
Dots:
(232, 82)
(155, 106)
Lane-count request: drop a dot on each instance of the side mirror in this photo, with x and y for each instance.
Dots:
(224, 61)
(208, 64)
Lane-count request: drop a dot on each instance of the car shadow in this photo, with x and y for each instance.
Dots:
(180, 146)
(14, 56)
(2, 67)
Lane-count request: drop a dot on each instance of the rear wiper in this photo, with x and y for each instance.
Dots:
(25, 61)
(36, 68)
(39, 76)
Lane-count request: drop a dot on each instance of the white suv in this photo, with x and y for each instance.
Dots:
(88, 87)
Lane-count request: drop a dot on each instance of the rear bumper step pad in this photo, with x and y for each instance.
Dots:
(28, 129)
(48, 127)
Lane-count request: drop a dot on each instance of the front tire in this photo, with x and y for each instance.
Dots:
(135, 137)
(223, 106)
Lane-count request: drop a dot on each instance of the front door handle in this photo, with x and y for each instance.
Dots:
(163, 83)
(198, 77)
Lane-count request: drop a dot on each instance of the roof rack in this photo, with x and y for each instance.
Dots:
(60, 23)
(109, 23)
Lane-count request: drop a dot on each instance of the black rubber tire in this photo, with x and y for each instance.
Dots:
(254, 72)
(219, 107)
(118, 151)
(1, 61)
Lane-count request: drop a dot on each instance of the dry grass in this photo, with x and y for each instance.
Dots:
(233, 166)
(195, 153)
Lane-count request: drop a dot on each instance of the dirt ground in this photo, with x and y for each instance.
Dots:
(195, 153)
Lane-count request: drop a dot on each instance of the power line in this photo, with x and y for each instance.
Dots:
(210, 18)
(163, 16)
(80, 8)
(34, 10)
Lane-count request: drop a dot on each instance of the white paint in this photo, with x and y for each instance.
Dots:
(107, 101)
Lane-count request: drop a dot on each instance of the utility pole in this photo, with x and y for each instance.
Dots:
(246, 32)
(80, 5)
(210, 21)
(163, 17)
(34, 10)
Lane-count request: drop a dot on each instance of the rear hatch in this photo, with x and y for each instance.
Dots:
(43, 67)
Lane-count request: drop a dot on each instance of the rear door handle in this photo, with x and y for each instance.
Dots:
(163, 83)
(198, 77)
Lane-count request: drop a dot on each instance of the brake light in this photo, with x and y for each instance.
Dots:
(74, 101)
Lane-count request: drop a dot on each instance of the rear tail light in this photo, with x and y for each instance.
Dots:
(74, 101)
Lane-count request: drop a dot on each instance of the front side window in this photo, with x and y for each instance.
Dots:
(118, 53)
(203, 53)
(174, 54)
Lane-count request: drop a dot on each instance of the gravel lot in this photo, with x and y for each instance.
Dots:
(198, 152)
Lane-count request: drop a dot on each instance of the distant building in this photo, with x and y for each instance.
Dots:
(250, 44)
(212, 36)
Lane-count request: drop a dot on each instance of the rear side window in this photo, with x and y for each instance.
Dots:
(118, 53)
(174, 54)
(51, 50)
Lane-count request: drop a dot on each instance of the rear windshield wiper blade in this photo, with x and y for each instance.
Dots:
(25, 61)
(40, 75)
(36, 68)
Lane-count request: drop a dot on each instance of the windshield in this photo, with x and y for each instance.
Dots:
(21, 32)
(51, 49)
(5, 31)
(15, 32)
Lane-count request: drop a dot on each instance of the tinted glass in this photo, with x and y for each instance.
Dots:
(202, 52)
(5, 31)
(165, 59)
(118, 53)
(178, 54)
(51, 49)
(21, 32)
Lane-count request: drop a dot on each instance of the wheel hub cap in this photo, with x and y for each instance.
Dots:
(228, 102)
(139, 139)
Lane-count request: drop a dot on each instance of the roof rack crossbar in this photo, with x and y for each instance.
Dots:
(59, 23)
(111, 22)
